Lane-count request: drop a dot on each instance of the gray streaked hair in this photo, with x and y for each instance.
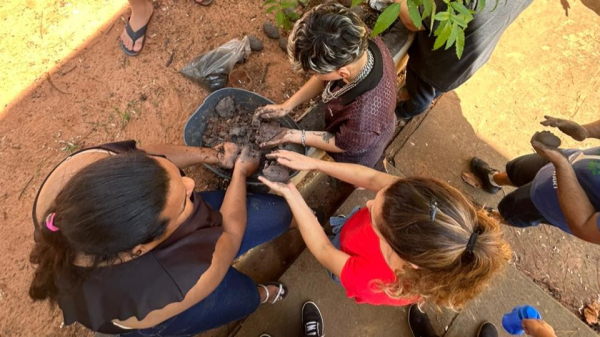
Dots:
(327, 38)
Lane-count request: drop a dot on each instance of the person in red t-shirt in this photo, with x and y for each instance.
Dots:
(419, 240)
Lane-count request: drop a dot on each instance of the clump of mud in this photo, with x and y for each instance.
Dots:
(233, 123)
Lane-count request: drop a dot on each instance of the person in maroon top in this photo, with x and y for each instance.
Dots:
(356, 78)
(419, 240)
(124, 245)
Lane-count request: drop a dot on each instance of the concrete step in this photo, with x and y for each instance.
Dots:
(307, 280)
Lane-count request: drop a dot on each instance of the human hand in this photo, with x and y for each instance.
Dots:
(271, 111)
(294, 160)
(284, 190)
(284, 136)
(227, 153)
(568, 127)
(537, 328)
(552, 154)
(247, 162)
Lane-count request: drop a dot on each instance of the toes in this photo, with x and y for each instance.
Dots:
(138, 44)
(126, 40)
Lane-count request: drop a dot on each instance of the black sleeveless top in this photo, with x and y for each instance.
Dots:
(135, 288)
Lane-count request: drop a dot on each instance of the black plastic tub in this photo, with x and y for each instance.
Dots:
(250, 101)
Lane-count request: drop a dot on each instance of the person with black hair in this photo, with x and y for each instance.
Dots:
(124, 245)
(355, 77)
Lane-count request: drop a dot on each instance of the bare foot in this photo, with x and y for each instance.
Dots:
(140, 15)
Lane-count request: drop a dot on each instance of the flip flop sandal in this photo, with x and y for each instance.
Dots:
(134, 37)
(204, 2)
(279, 295)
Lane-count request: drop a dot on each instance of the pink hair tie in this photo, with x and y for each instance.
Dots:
(50, 223)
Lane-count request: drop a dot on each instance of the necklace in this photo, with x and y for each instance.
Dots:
(327, 95)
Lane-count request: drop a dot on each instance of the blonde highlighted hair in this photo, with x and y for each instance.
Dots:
(448, 274)
(327, 38)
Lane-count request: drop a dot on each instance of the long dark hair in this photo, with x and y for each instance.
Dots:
(448, 274)
(106, 209)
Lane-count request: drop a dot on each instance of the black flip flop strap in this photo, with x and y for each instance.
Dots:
(135, 35)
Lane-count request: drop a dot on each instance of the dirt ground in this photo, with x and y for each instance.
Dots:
(96, 94)
(66, 84)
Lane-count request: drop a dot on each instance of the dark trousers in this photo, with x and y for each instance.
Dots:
(517, 208)
(236, 296)
(421, 95)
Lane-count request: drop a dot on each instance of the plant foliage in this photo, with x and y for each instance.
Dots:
(285, 11)
(451, 23)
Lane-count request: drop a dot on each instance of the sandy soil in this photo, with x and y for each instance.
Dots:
(66, 84)
(96, 94)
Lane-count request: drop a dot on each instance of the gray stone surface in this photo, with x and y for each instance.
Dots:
(308, 280)
(442, 146)
(510, 290)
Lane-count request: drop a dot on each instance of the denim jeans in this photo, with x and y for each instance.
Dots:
(421, 95)
(236, 296)
(337, 223)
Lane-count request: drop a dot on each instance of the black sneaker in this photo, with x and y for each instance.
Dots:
(482, 170)
(487, 329)
(419, 323)
(312, 320)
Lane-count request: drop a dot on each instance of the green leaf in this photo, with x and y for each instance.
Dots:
(272, 8)
(280, 18)
(462, 10)
(442, 16)
(432, 17)
(385, 19)
(427, 7)
(413, 12)
(270, 2)
(452, 38)
(356, 3)
(481, 5)
(444, 35)
(460, 43)
(459, 20)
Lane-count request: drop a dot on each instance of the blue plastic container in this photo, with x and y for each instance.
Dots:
(512, 320)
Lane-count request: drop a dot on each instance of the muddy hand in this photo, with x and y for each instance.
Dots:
(294, 160)
(271, 111)
(282, 137)
(228, 152)
(552, 154)
(570, 128)
(247, 162)
(279, 188)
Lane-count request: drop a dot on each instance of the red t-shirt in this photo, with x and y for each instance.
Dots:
(366, 263)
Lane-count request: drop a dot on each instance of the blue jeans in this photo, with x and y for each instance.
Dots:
(236, 296)
(337, 223)
(421, 95)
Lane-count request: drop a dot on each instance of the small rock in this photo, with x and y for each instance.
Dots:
(226, 107)
(547, 138)
(238, 131)
(283, 43)
(271, 30)
(275, 172)
(255, 43)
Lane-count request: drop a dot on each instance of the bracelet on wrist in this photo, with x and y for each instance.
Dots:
(303, 138)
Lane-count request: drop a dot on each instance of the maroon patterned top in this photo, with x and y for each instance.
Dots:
(363, 119)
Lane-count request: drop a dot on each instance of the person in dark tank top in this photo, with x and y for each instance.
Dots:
(124, 245)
